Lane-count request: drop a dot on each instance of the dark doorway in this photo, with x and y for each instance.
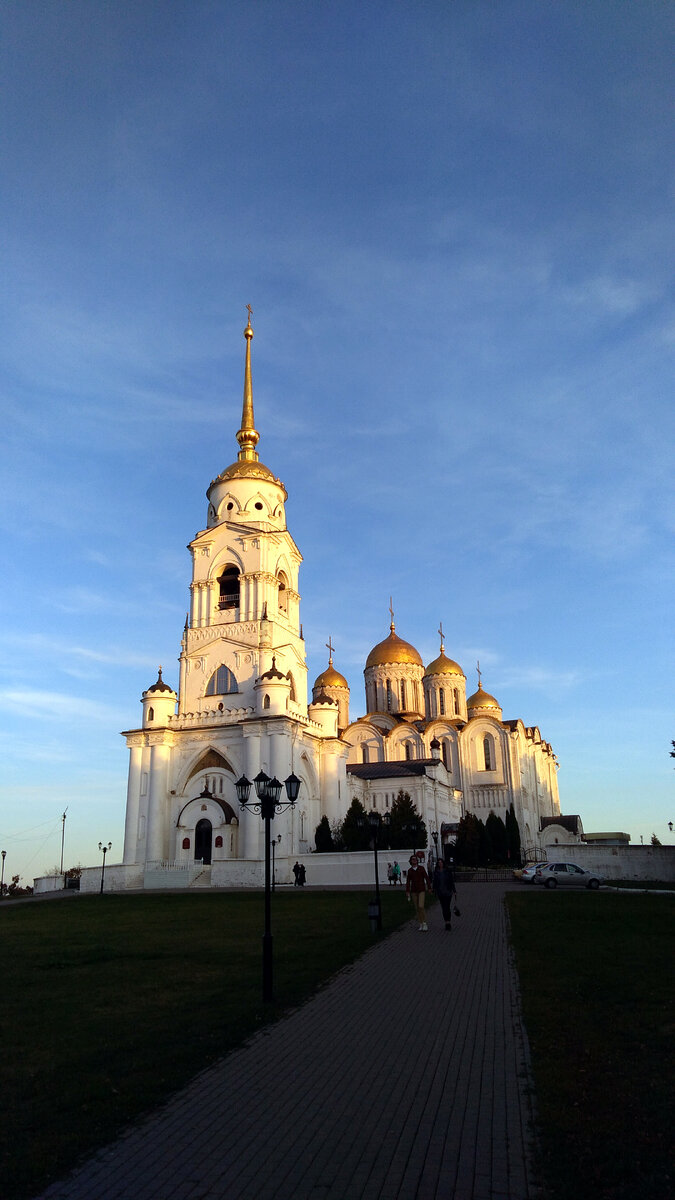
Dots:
(203, 841)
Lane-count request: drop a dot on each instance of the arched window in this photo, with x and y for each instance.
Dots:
(455, 695)
(403, 703)
(408, 750)
(283, 593)
(292, 683)
(186, 843)
(488, 753)
(364, 754)
(266, 702)
(389, 695)
(219, 842)
(151, 714)
(441, 701)
(222, 682)
(444, 754)
(229, 586)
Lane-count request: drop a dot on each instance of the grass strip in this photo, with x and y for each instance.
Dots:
(109, 1004)
(597, 990)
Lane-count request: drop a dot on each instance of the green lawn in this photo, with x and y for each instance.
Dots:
(110, 1003)
(596, 974)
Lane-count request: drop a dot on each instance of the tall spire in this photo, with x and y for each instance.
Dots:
(248, 436)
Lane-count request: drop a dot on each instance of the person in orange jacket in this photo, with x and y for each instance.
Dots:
(416, 887)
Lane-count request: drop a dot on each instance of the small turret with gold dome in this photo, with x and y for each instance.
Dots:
(331, 684)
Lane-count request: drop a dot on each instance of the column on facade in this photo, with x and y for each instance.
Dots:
(250, 822)
(133, 805)
(157, 844)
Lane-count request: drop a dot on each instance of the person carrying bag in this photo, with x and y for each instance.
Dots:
(445, 889)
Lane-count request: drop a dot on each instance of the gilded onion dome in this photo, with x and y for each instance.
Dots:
(444, 666)
(330, 678)
(393, 650)
(484, 701)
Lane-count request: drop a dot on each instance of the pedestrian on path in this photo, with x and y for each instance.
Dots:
(302, 875)
(391, 874)
(444, 887)
(296, 872)
(416, 888)
(397, 873)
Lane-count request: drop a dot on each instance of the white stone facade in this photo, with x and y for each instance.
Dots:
(241, 707)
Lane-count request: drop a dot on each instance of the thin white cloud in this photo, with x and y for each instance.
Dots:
(47, 706)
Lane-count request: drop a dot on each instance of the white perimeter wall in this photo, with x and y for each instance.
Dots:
(358, 869)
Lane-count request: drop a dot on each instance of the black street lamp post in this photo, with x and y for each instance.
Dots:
(275, 842)
(104, 850)
(2, 876)
(375, 822)
(434, 834)
(267, 804)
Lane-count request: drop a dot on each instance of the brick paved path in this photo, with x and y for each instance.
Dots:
(406, 1078)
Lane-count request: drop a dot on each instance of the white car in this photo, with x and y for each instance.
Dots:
(527, 874)
(566, 874)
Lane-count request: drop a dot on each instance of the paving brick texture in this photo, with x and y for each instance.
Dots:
(406, 1078)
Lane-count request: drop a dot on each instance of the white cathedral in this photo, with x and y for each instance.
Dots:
(241, 707)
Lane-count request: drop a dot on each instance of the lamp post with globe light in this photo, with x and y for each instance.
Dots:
(104, 850)
(376, 823)
(267, 804)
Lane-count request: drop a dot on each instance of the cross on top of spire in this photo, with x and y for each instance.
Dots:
(330, 647)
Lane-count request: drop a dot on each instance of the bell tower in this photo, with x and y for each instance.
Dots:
(244, 598)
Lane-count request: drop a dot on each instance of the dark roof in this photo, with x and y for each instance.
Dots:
(392, 770)
(572, 824)
(160, 685)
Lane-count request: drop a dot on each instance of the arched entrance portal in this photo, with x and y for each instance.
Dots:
(203, 832)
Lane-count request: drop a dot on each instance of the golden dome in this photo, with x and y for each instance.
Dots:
(482, 699)
(330, 678)
(246, 468)
(444, 666)
(393, 650)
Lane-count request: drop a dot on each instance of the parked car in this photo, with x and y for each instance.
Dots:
(527, 874)
(566, 875)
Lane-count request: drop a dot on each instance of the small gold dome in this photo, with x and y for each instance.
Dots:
(482, 699)
(330, 678)
(444, 666)
(248, 469)
(393, 650)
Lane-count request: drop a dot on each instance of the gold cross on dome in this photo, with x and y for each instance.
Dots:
(330, 647)
(250, 312)
(391, 611)
(479, 674)
(440, 634)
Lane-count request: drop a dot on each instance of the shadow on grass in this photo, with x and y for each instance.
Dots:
(109, 1004)
(597, 990)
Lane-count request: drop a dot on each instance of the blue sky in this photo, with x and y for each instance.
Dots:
(453, 221)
